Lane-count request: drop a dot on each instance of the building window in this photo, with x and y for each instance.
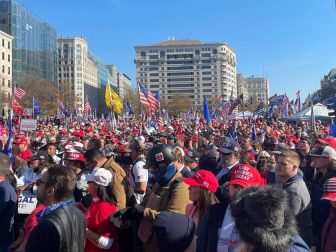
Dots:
(9, 83)
(3, 56)
(8, 57)
(3, 69)
(3, 42)
(3, 82)
(8, 70)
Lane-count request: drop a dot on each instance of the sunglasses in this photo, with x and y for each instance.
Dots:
(39, 182)
(225, 154)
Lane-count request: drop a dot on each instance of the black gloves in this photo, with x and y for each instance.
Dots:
(123, 218)
(139, 209)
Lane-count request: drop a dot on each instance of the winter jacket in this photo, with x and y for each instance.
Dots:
(174, 197)
(120, 183)
(329, 232)
(320, 208)
(300, 204)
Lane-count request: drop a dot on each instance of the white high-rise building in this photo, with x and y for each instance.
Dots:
(77, 69)
(258, 87)
(187, 68)
(124, 85)
(242, 87)
(6, 70)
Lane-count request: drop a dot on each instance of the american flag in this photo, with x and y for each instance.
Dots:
(19, 92)
(87, 107)
(160, 123)
(60, 105)
(297, 103)
(148, 100)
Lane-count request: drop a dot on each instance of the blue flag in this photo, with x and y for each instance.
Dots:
(206, 112)
(157, 96)
(254, 133)
(233, 133)
(8, 149)
(129, 110)
(37, 110)
(332, 129)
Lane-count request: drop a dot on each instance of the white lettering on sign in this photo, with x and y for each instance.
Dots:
(27, 202)
(28, 124)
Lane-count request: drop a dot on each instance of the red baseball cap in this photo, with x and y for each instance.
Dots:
(74, 156)
(21, 140)
(329, 189)
(123, 148)
(205, 179)
(328, 141)
(245, 175)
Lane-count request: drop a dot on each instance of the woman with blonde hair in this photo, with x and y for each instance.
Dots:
(202, 188)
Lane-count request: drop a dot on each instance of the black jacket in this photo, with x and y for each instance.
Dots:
(63, 230)
(320, 208)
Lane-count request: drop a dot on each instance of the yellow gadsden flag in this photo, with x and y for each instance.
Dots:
(112, 99)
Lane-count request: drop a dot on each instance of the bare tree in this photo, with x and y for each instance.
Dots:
(179, 104)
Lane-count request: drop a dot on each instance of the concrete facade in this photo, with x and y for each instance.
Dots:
(124, 86)
(76, 68)
(187, 68)
(6, 85)
(258, 87)
(242, 87)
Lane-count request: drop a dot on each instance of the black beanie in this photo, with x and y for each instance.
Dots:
(173, 231)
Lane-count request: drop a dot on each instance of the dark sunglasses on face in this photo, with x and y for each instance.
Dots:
(39, 182)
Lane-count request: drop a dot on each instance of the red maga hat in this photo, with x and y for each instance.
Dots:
(245, 175)
(203, 178)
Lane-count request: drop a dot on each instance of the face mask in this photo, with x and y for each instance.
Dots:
(165, 174)
(34, 189)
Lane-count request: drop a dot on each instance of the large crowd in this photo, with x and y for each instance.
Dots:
(236, 185)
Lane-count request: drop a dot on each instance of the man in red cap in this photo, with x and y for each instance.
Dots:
(24, 151)
(331, 141)
(75, 161)
(219, 217)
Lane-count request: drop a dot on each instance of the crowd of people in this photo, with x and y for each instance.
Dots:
(239, 185)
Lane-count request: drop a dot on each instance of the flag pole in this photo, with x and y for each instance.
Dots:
(33, 108)
(111, 102)
(141, 108)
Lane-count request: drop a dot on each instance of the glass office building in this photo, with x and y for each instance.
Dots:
(34, 43)
(103, 77)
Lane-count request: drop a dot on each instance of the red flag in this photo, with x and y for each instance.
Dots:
(17, 108)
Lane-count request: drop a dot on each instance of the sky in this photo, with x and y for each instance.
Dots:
(291, 42)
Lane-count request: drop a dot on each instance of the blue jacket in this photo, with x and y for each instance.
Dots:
(298, 245)
(209, 229)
